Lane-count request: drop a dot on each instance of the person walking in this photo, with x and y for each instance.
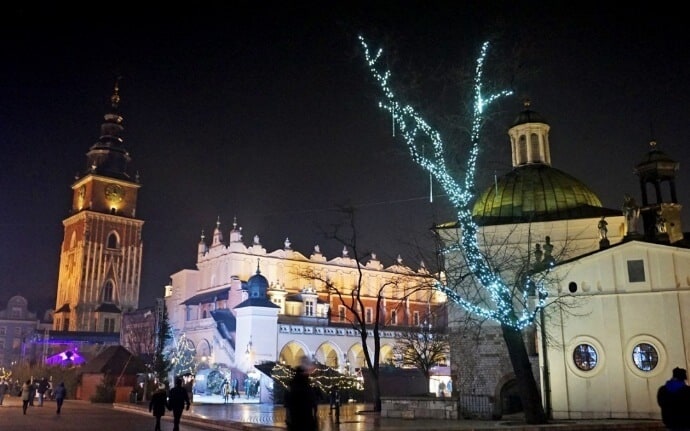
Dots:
(178, 401)
(674, 399)
(32, 388)
(41, 389)
(226, 391)
(158, 404)
(4, 388)
(60, 394)
(26, 394)
(301, 403)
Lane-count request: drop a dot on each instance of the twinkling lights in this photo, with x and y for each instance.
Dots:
(508, 306)
(182, 356)
(321, 377)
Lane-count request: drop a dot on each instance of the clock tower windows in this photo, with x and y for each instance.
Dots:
(113, 241)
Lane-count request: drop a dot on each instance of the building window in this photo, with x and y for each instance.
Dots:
(3, 330)
(636, 271)
(415, 318)
(367, 314)
(17, 330)
(112, 241)
(534, 147)
(2, 344)
(645, 357)
(341, 313)
(108, 291)
(309, 308)
(16, 313)
(394, 317)
(108, 325)
(522, 149)
(65, 324)
(585, 357)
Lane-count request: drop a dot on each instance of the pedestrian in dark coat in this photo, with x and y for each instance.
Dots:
(158, 404)
(178, 401)
(32, 392)
(301, 403)
(42, 388)
(60, 394)
(674, 399)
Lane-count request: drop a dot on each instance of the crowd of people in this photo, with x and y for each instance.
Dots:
(33, 392)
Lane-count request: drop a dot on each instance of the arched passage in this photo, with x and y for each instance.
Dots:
(292, 353)
(508, 397)
(329, 354)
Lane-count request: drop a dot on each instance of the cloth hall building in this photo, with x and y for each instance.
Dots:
(243, 306)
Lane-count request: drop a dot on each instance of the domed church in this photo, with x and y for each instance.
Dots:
(618, 289)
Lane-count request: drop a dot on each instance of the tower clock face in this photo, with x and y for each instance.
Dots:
(114, 193)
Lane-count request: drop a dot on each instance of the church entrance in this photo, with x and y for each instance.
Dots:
(510, 398)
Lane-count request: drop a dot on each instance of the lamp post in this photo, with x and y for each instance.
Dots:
(248, 356)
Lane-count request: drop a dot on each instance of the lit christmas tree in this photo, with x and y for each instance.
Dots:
(182, 357)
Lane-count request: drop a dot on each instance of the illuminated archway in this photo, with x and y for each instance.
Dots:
(329, 354)
(292, 353)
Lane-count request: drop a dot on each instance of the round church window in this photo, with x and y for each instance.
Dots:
(585, 357)
(645, 357)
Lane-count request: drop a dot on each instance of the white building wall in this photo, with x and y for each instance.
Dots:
(614, 315)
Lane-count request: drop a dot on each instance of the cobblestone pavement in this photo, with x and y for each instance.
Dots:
(252, 416)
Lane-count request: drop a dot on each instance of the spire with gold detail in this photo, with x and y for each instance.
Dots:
(108, 156)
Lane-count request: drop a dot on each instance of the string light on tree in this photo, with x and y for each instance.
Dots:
(418, 135)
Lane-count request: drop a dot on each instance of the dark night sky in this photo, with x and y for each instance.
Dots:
(265, 111)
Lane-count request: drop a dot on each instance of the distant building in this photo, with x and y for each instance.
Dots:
(17, 326)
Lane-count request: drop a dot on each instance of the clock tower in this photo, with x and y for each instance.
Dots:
(100, 256)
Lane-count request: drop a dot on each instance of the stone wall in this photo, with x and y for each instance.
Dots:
(483, 377)
(419, 407)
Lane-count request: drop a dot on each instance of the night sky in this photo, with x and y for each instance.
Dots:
(265, 111)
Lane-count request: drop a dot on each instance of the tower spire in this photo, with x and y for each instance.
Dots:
(115, 98)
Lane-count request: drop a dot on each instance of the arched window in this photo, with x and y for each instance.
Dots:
(534, 147)
(113, 241)
(108, 291)
(522, 149)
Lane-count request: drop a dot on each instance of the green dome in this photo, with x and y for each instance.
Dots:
(536, 192)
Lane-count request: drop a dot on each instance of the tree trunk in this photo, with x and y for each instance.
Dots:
(527, 385)
(376, 389)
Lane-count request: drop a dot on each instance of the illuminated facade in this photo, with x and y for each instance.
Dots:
(622, 276)
(100, 255)
(244, 306)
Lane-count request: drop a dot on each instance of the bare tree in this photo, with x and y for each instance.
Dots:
(359, 297)
(423, 348)
(506, 302)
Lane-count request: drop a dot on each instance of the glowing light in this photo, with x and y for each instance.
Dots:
(417, 134)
